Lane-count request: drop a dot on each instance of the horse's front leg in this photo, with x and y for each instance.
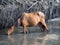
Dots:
(11, 30)
(25, 29)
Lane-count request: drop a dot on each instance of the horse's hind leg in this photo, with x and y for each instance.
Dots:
(41, 26)
(44, 24)
(11, 30)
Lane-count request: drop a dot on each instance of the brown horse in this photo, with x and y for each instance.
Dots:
(33, 19)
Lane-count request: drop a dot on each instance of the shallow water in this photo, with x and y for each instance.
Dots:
(34, 37)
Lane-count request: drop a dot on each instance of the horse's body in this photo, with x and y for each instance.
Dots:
(29, 20)
(33, 19)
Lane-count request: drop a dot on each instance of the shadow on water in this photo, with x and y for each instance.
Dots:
(34, 37)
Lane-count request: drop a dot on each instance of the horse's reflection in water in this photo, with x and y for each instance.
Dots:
(11, 38)
(25, 40)
(28, 39)
(34, 40)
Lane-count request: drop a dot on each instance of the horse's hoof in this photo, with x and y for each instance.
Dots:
(42, 30)
(47, 31)
(25, 32)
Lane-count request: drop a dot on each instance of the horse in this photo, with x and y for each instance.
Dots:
(33, 19)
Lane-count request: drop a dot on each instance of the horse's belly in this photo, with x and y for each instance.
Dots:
(33, 22)
(31, 25)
